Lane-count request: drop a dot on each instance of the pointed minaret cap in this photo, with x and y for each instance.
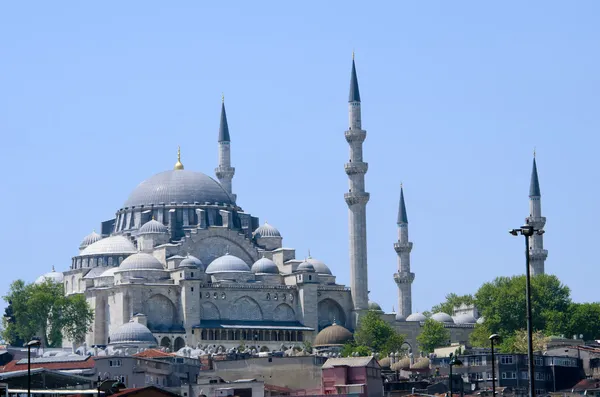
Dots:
(223, 127)
(354, 92)
(534, 186)
(178, 165)
(402, 216)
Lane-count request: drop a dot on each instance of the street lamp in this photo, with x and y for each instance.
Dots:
(453, 361)
(528, 231)
(30, 344)
(493, 337)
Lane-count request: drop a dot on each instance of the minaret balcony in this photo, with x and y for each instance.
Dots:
(400, 247)
(538, 254)
(355, 135)
(358, 167)
(537, 222)
(404, 277)
(353, 198)
(224, 172)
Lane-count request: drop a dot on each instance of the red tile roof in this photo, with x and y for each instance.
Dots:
(140, 391)
(153, 353)
(84, 364)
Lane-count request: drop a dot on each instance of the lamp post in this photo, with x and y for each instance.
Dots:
(493, 338)
(453, 361)
(528, 231)
(30, 344)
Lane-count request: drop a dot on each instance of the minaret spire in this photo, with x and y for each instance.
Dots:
(357, 200)
(404, 278)
(225, 171)
(537, 253)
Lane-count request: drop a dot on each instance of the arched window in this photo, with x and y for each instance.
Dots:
(110, 261)
(268, 296)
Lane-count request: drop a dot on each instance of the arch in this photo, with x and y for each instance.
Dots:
(330, 311)
(160, 311)
(72, 284)
(210, 248)
(246, 308)
(209, 311)
(165, 342)
(178, 344)
(284, 312)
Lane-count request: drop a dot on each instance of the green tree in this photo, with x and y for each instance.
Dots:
(517, 342)
(374, 335)
(43, 310)
(584, 319)
(452, 301)
(433, 334)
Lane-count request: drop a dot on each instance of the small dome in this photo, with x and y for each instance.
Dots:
(320, 266)
(54, 276)
(403, 363)
(416, 317)
(153, 227)
(266, 230)
(192, 261)
(227, 264)
(305, 267)
(481, 320)
(374, 306)
(385, 362)
(442, 317)
(464, 319)
(265, 265)
(132, 333)
(423, 363)
(400, 317)
(332, 335)
(140, 261)
(110, 272)
(110, 245)
(90, 239)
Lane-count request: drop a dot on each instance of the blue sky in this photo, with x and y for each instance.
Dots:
(97, 96)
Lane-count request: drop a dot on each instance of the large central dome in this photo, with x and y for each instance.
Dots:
(178, 186)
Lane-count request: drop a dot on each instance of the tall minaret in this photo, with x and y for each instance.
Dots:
(225, 171)
(357, 199)
(537, 253)
(404, 278)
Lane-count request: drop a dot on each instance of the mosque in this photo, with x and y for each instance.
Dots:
(188, 266)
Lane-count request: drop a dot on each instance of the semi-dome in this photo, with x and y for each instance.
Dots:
(141, 261)
(416, 317)
(442, 317)
(54, 276)
(333, 335)
(266, 230)
(320, 266)
(110, 245)
(305, 267)
(90, 239)
(374, 306)
(191, 261)
(178, 186)
(464, 319)
(265, 265)
(227, 264)
(153, 227)
(132, 333)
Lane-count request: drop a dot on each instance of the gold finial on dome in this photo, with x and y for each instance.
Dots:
(178, 165)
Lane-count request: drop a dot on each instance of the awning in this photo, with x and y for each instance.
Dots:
(257, 325)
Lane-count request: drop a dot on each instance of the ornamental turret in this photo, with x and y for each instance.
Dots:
(403, 278)
(225, 171)
(537, 253)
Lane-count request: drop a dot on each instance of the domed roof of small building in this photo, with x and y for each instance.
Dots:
(178, 186)
(416, 317)
(320, 266)
(227, 264)
(333, 335)
(153, 227)
(305, 267)
(403, 363)
(374, 306)
(132, 332)
(53, 276)
(385, 362)
(442, 317)
(265, 265)
(191, 261)
(481, 320)
(464, 319)
(400, 317)
(141, 261)
(266, 230)
(422, 363)
(90, 239)
(110, 245)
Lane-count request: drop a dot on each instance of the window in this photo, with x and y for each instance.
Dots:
(192, 289)
(474, 361)
(192, 274)
(509, 375)
(539, 376)
(538, 361)
(506, 360)
(524, 375)
(114, 363)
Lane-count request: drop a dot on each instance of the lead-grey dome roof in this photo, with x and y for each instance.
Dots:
(416, 317)
(110, 245)
(374, 306)
(141, 261)
(54, 276)
(266, 230)
(132, 332)
(305, 266)
(442, 317)
(227, 264)
(265, 265)
(320, 266)
(464, 319)
(90, 239)
(153, 227)
(178, 186)
(192, 261)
